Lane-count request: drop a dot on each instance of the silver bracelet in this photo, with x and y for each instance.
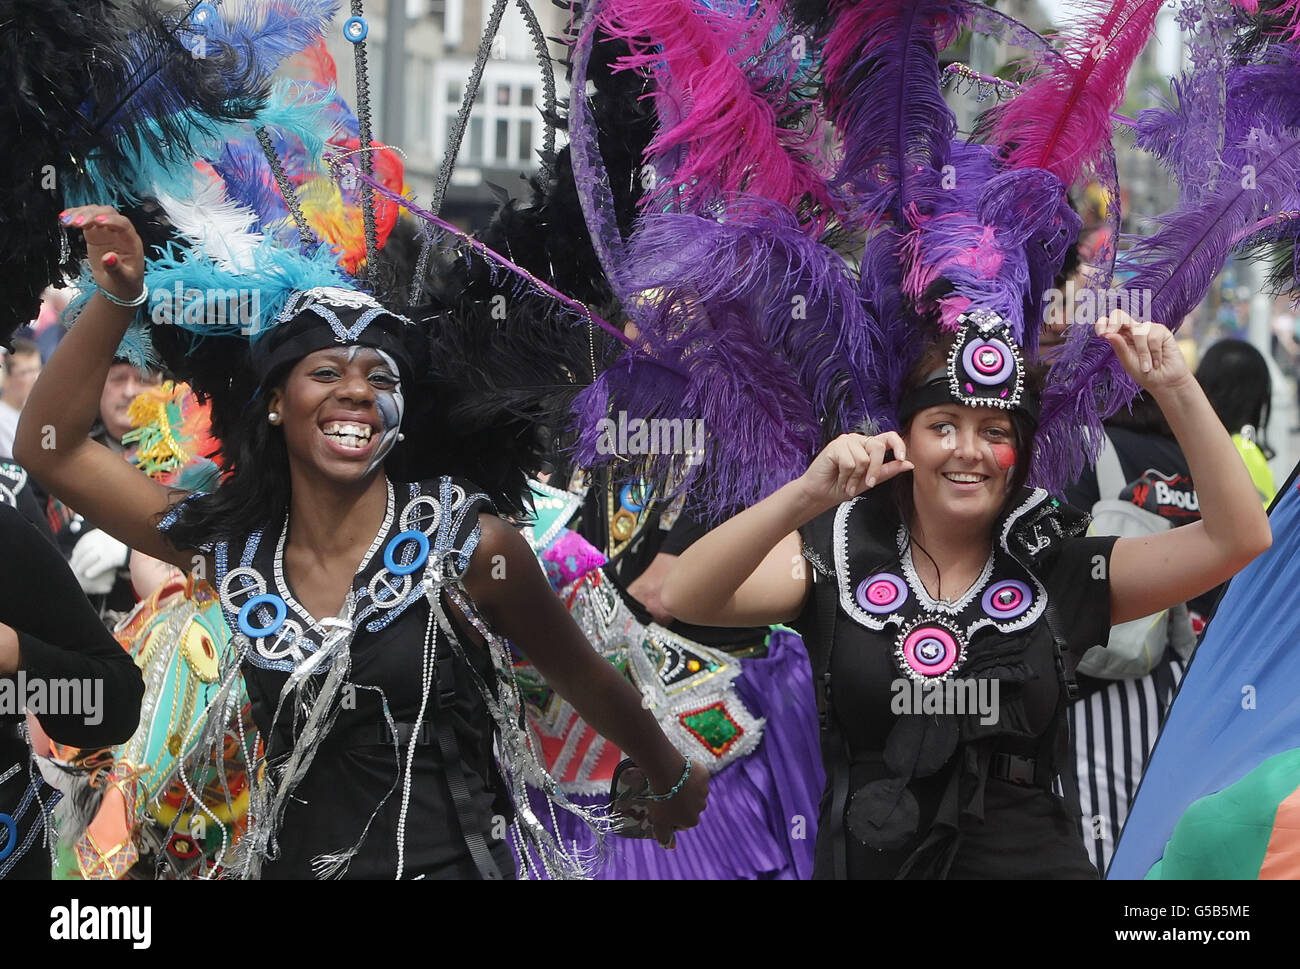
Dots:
(138, 301)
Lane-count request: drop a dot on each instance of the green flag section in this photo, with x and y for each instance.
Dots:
(1246, 831)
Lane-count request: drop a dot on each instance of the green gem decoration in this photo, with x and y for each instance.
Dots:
(713, 727)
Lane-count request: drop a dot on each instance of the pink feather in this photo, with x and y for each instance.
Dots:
(717, 135)
(1060, 121)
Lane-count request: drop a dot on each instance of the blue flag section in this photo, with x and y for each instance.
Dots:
(1220, 797)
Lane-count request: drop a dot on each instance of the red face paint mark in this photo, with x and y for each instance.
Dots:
(1004, 454)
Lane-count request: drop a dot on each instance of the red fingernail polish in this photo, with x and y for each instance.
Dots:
(110, 260)
(101, 218)
(78, 220)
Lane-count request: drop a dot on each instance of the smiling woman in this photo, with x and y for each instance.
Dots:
(928, 561)
(369, 612)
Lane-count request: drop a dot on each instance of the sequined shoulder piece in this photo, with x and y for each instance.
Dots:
(425, 545)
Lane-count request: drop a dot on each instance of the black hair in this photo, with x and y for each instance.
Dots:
(1235, 378)
(1143, 416)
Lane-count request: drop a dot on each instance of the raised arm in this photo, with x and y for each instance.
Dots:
(520, 605)
(750, 570)
(53, 441)
(1158, 571)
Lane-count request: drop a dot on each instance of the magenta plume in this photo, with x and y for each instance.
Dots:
(1061, 120)
(718, 135)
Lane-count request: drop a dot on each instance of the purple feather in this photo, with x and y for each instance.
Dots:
(1174, 270)
(882, 82)
(1179, 262)
(767, 326)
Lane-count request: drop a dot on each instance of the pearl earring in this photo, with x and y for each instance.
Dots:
(401, 436)
(273, 417)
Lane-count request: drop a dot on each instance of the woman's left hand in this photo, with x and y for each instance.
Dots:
(683, 809)
(1147, 350)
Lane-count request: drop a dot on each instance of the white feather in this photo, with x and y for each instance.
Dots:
(220, 228)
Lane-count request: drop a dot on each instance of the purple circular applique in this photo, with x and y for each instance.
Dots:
(930, 650)
(1007, 599)
(881, 593)
(987, 362)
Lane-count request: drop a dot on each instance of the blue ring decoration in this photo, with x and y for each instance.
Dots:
(628, 500)
(11, 826)
(925, 651)
(347, 29)
(390, 552)
(202, 14)
(266, 599)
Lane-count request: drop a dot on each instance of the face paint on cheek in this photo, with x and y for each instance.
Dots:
(1004, 455)
(391, 405)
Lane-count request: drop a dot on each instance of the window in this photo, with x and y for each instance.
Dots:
(503, 94)
(526, 95)
(503, 140)
(475, 139)
(454, 94)
(525, 141)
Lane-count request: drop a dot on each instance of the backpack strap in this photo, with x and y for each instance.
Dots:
(834, 751)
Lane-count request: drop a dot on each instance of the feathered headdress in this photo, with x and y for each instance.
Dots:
(779, 336)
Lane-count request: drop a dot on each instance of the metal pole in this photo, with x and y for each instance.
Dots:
(393, 111)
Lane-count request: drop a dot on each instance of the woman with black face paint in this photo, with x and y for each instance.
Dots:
(367, 610)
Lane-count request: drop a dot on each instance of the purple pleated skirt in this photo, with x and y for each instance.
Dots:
(761, 821)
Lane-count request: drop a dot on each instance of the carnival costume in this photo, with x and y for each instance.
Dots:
(61, 641)
(394, 744)
(785, 293)
(737, 701)
(147, 808)
(743, 707)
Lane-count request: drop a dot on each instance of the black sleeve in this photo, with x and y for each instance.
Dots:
(1078, 585)
(686, 531)
(61, 637)
(30, 509)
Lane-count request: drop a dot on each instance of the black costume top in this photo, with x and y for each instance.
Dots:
(60, 638)
(353, 791)
(935, 792)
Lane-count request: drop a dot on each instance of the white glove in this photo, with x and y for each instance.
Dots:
(96, 559)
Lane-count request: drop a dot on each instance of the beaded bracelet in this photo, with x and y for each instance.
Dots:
(138, 301)
(686, 772)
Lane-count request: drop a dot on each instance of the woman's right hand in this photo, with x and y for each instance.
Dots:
(113, 247)
(851, 464)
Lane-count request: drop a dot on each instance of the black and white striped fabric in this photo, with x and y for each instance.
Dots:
(1113, 731)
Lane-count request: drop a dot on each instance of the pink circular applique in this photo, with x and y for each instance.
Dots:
(930, 650)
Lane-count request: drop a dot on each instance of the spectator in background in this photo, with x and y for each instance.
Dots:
(22, 366)
(1234, 376)
(1114, 723)
(98, 560)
